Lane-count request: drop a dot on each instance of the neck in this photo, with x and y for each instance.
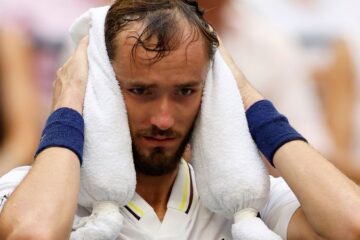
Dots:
(155, 190)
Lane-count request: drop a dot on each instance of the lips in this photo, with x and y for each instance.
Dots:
(159, 141)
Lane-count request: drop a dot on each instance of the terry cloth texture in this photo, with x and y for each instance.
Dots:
(231, 177)
(108, 175)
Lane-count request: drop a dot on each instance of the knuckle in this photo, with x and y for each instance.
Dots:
(58, 72)
(54, 83)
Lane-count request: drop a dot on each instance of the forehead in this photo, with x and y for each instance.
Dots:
(188, 60)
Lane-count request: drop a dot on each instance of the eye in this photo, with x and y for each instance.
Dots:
(139, 91)
(185, 91)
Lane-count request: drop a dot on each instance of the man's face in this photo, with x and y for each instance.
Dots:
(162, 98)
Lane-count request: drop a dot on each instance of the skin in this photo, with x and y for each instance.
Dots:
(53, 182)
(327, 197)
(166, 95)
(336, 92)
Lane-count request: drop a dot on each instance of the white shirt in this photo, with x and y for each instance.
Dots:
(186, 217)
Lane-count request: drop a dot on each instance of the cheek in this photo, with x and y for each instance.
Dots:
(189, 111)
(136, 114)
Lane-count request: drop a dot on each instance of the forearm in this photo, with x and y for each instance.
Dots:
(44, 204)
(328, 198)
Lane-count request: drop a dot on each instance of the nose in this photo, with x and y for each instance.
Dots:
(163, 118)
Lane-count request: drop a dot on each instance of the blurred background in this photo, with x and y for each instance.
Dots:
(34, 43)
(304, 55)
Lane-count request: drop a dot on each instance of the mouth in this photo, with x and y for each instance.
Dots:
(159, 141)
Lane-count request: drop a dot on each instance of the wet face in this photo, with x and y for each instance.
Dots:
(162, 98)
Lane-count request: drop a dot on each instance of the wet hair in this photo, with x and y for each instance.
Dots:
(163, 21)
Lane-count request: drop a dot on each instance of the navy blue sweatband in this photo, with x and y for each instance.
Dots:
(269, 129)
(64, 128)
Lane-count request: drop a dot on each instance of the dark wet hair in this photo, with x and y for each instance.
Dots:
(161, 19)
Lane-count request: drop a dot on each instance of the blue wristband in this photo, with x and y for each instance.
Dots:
(269, 129)
(64, 128)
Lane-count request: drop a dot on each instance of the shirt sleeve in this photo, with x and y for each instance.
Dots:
(10, 181)
(280, 207)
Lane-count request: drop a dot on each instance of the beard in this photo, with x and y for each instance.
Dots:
(159, 162)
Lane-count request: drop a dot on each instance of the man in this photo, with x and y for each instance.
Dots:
(161, 67)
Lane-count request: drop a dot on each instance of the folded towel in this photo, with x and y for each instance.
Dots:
(108, 174)
(230, 176)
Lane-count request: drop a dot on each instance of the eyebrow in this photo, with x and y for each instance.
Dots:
(135, 83)
(190, 84)
(140, 84)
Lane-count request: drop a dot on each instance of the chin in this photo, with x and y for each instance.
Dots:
(157, 162)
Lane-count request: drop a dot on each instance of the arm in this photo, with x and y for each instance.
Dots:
(44, 204)
(329, 200)
(19, 101)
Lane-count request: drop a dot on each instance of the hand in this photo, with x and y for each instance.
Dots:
(249, 94)
(70, 84)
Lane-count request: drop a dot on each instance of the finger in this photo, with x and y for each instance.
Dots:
(81, 49)
(55, 93)
(228, 59)
(230, 62)
(222, 48)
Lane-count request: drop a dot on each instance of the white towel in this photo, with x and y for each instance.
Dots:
(230, 176)
(108, 173)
